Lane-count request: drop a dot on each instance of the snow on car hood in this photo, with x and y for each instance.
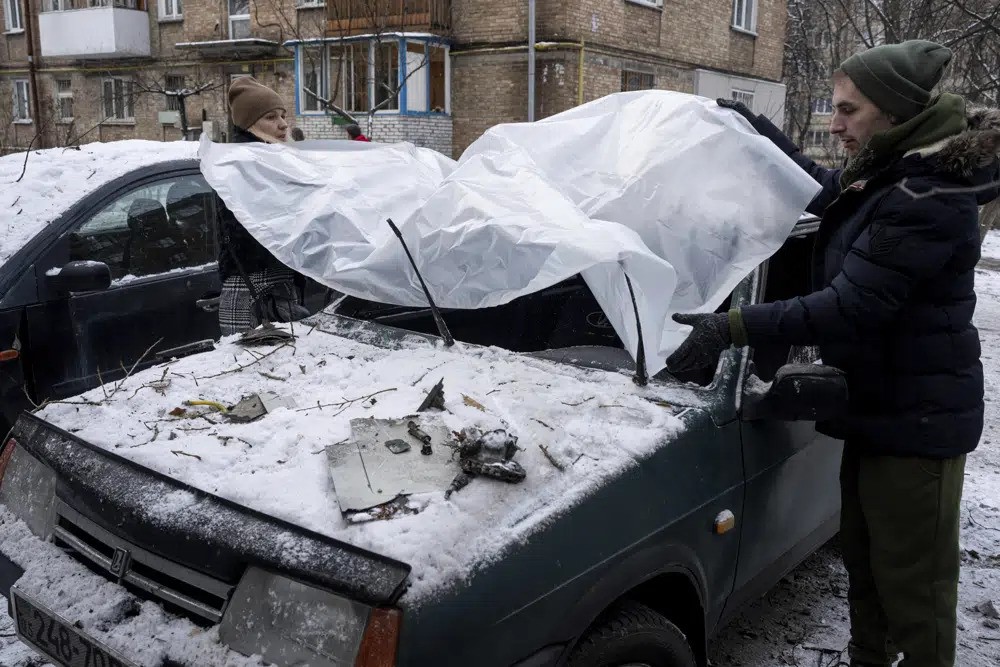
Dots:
(592, 423)
(56, 178)
(683, 197)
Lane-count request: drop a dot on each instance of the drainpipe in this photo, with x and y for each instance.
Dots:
(531, 60)
(29, 38)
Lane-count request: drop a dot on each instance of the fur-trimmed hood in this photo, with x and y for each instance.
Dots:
(976, 148)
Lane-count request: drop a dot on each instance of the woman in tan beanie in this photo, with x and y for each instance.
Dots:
(256, 287)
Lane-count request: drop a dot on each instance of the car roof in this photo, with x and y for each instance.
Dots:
(37, 187)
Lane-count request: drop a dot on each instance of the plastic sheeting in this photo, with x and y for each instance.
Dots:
(684, 197)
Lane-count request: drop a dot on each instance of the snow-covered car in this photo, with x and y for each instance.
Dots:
(158, 522)
(107, 260)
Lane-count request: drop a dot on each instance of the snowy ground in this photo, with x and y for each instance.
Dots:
(803, 620)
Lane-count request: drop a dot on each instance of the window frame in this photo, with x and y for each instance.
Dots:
(9, 16)
(349, 71)
(231, 18)
(19, 85)
(176, 8)
(323, 87)
(61, 95)
(822, 106)
(127, 100)
(641, 77)
(744, 16)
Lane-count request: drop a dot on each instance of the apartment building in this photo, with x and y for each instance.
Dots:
(434, 72)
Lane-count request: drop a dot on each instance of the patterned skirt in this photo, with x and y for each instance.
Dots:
(237, 311)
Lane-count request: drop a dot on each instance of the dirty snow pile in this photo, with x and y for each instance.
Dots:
(56, 178)
(592, 424)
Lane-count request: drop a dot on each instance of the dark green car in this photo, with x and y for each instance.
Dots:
(641, 571)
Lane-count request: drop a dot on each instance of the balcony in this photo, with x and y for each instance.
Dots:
(357, 17)
(120, 30)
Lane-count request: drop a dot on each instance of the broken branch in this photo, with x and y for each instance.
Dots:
(552, 460)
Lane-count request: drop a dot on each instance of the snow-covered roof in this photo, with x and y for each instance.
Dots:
(592, 424)
(56, 178)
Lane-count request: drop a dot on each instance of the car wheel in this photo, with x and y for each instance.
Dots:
(633, 635)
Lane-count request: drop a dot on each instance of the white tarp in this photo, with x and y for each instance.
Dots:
(684, 197)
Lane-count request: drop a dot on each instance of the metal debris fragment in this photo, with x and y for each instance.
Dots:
(414, 431)
(397, 446)
(265, 334)
(434, 398)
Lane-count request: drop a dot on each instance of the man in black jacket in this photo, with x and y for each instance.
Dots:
(895, 264)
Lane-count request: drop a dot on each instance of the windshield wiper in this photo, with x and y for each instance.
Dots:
(641, 377)
(438, 320)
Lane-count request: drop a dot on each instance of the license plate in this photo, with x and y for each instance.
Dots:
(58, 640)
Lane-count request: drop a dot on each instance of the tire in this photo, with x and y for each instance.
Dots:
(632, 634)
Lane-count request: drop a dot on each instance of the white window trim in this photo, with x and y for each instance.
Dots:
(324, 87)
(130, 106)
(163, 5)
(19, 83)
(309, 4)
(653, 4)
(62, 95)
(7, 16)
(237, 18)
(744, 23)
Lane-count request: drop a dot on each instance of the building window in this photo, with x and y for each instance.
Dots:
(744, 96)
(171, 9)
(823, 105)
(22, 109)
(313, 78)
(745, 15)
(386, 76)
(817, 137)
(310, 3)
(118, 100)
(239, 19)
(64, 100)
(637, 81)
(173, 83)
(12, 15)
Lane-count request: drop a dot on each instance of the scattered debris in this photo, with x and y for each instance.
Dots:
(473, 403)
(988, 609)
(414, 430)
(215, 405)
(574, 405)
(397, 446)
(434, 398)
(542, 423)
(265, 334)
(177, 412)
(545, 450)
(400, 505)
(490, 454)
(461, 481)
(255, 406)
(177, 452)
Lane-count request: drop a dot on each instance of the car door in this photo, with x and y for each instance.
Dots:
(792, 499)
(158, 238)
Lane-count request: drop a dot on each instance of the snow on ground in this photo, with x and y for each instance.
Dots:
(803, 620)
(56, 178)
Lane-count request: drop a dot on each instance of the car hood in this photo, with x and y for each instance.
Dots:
(577, 429)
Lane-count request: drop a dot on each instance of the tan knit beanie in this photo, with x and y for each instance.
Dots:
(250, 100)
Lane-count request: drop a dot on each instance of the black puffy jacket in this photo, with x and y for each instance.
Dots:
(894, 279)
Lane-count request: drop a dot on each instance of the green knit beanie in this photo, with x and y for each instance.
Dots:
(899, 78)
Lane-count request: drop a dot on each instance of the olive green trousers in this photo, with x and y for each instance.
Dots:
(899, 536)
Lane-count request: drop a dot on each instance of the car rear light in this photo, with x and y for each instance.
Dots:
(5, 455)
(381, 639)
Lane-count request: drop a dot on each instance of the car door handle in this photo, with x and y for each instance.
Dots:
(209, 305)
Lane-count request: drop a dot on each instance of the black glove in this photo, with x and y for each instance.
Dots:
(739, 108)
(702, 347)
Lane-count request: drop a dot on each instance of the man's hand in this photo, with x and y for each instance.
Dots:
(702, 347)
(738, 107)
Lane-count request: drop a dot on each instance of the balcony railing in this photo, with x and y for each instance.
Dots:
(104, 29)
(355, 17)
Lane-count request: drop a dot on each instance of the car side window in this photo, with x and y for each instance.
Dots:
(153, 229)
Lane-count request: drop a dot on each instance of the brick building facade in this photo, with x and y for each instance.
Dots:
(440, 71)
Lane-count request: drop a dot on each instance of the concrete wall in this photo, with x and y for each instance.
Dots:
(431, 131)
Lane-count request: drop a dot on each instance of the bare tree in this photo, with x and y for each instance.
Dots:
(176, 96)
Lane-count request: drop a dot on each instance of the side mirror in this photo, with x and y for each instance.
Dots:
(80, 276)
(799, 392)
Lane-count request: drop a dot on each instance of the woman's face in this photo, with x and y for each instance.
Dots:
(272, 127)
